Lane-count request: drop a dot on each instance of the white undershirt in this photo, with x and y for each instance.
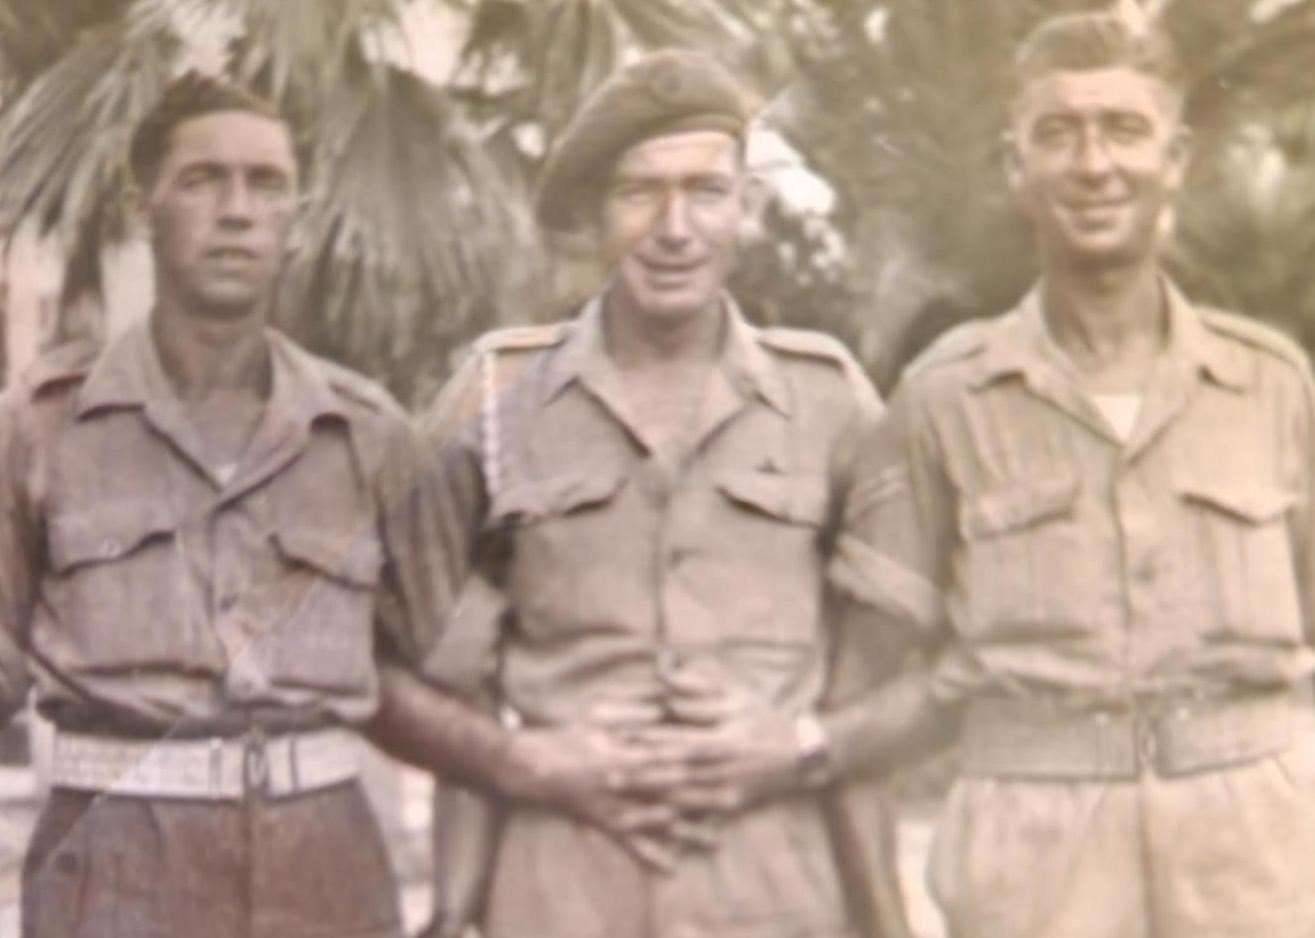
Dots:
(1120, 410)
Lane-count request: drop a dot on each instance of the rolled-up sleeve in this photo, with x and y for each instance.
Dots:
(893, 548)
(437, 610)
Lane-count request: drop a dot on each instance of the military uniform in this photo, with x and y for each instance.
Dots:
(618, 564)
(1126, 624)
(200, 635)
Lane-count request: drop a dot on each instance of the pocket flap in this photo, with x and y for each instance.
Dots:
(557, 495)
(106, 532)
(1018, 505)
(1251, 501)
(801, 499)
(352, 557)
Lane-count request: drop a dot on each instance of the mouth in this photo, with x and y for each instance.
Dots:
(670, 272)
(231, 255)
(1097, 214)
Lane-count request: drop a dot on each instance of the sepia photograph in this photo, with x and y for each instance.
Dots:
(657, 468)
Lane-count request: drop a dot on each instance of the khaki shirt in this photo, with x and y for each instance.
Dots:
(616, 565)
(1002, 514)
(154, 594)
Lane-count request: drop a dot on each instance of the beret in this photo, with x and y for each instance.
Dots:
(663, 92)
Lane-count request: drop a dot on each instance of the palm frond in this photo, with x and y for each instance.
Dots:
(34, 33)
(413, 238)
(295, 49)
(63, 141)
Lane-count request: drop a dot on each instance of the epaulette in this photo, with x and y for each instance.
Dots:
(806, 342)
(1255, 334)
(70, 361)
(522, 337)
(960, 342)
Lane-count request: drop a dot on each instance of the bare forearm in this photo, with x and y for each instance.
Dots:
(896, 722)
(427, 727)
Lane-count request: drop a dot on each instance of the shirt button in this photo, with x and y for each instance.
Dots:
(109, 547)
(1144, 570)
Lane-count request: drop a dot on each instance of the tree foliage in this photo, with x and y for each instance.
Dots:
(417, 233)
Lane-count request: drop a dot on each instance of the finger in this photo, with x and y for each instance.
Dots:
(647, 779)
(708, 799)
(630, 817)
(705, 711)
(677, 743)
(703, 834)
(655, 853)
(620, 713)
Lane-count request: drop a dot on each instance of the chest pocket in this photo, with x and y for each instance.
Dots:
(322, 621)
(120, 584)
(1022, 566)
(1243, 548)
(795, 498)
(530, 501)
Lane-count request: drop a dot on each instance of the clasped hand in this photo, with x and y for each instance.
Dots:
(661, 775)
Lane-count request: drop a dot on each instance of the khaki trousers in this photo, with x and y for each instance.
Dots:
(1226, 852)
(114, 867)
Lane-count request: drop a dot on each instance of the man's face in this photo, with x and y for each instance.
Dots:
(669, 222)
(1094, 159)
(220, 207)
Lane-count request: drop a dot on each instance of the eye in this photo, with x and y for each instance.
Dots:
(195, 177)
(1053, 132)
(634, 193)
(710, 190)
(270, 182)
(1127, 127)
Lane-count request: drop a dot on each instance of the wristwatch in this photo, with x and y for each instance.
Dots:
(813, 746)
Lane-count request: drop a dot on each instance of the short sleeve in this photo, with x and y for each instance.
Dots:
(892, 551)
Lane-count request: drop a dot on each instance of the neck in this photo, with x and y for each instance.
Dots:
(1103, 316)
(635, 340)
(204, 357)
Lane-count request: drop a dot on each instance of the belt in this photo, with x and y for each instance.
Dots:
(215, 769)
(1030, 737)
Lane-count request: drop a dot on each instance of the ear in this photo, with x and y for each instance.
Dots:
(1011, 161)
(1180, 155)
(755, 195)
(136, 207)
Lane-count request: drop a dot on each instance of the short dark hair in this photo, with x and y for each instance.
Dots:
(191, 95)
(1095, 40)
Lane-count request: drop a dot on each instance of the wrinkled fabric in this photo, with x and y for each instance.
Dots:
(1000, 514)
(312, 866)
(1222, 854)
(155, 595)
(1084, 581)
(615, 564)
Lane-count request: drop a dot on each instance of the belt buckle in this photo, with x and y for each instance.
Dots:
(255, 762)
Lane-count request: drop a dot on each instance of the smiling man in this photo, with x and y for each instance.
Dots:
(195, 522)
(653, 488)
(1097, 511)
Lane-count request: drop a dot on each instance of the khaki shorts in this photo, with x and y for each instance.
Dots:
(1227, 852)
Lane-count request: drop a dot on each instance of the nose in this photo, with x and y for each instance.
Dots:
(673, 227)
(236, 204)
(1093, 156)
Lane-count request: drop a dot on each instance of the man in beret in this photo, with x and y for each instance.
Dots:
(1097, 510)
(654, 489)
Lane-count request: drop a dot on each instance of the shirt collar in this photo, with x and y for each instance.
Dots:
(1021, 346)
(129, 373)
(746, 363)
